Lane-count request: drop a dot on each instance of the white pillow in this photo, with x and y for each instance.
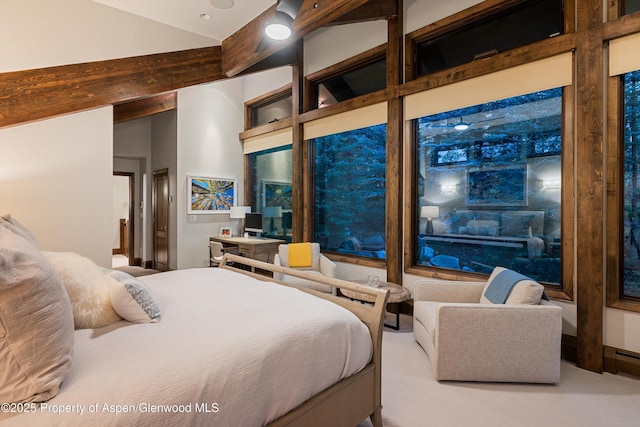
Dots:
(132, 299)
(88, 288)
(36, 323)
(526, 291)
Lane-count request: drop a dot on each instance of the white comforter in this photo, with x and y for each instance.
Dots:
(229, 351)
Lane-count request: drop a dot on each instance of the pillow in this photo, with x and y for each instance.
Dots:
(36, 323)
(516, 225)
(440, 226)
(12, 224)
(516, 288)
(132, 299)
(373, 243)
(478, 227)
(283, 252)
(460, 219)
(88, 288)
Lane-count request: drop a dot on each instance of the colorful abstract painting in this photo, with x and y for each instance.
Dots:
(211, 195)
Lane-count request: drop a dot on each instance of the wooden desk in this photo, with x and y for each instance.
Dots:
(254, 248)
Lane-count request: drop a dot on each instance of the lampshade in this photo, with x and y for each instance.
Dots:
(272, 211)
(429, 212)
(239, 211)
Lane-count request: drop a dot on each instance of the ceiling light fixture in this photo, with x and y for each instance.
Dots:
(280, 27)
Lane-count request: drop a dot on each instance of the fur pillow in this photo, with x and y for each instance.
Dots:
(88, 288)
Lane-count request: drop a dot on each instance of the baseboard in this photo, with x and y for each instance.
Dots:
(137, 262)
(146, 264)
(615, 360)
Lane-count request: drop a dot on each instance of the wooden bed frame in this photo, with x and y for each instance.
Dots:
(353, 399)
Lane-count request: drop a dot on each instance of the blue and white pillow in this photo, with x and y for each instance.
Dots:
(133, 300)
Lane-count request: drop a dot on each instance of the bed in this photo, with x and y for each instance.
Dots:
(233, 348)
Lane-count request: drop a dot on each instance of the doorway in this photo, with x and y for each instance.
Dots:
(123, 218)
(161, 220)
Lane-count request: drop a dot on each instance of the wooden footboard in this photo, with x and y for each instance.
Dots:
(353, 399)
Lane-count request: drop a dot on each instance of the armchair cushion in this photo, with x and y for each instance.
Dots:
(320, 265)
(508, 287)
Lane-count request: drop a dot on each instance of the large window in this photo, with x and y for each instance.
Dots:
(489, 187)
(631, 129)
(349, 191)
(272, 190)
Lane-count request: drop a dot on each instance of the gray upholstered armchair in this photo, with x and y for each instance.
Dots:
(320, 265)
(470, 338)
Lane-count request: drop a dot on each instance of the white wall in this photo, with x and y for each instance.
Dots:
(55, 177)
(45, 33)
(260, 83)
(210, 118)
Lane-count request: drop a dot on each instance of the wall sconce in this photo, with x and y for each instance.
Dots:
(549, 184)
(448, 188)
(429, 212)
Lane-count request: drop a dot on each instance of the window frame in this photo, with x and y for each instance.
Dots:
(522, 55)
(363, 59)
(252, 105)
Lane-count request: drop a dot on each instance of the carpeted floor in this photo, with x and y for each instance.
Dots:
(121, 263)
(411, 397)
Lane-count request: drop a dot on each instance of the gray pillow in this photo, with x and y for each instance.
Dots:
(36, 323)
(516, 225)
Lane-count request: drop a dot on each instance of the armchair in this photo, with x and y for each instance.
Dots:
(320, 265)
(469, 338)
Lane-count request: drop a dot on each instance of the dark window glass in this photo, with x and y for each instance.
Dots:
(349, 187)
(631, 6)
(631, 185)
(272, 190)
(517, 26)
(271, 111)
(360, 81)
(489, 186)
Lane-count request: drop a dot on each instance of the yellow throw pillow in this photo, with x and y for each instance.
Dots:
(300, 255)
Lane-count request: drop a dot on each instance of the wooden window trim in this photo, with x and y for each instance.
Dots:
(518, 56)
(261, 101)
(615, 199)
(365, 58)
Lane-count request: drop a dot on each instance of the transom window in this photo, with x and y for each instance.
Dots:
(489, 187)
(525, 22)
(356, 82)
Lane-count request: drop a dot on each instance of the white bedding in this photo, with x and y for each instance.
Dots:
(231, 350)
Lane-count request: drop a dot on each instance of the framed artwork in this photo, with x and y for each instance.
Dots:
(225, 232)
(277, 193)
(208, 195)
(497, 187)
(450, 155)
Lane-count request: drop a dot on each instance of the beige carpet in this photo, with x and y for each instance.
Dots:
(411, 397)
(121, 263)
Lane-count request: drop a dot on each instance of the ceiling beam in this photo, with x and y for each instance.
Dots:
(373, 10)
(239, 49)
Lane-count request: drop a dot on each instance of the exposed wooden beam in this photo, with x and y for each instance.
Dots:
(144, 107)
(239, 49)
(36, 94)
(373, 10)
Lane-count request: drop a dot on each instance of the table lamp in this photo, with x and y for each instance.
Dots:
(429, 212)
(238, 212)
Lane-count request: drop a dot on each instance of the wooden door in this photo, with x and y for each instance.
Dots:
(161, 220)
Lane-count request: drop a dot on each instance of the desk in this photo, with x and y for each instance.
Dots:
(254, 248)
(397, 294)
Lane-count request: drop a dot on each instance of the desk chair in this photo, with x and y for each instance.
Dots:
(216, 252)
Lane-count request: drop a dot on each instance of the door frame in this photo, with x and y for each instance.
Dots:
(132, 221)
(154, 199)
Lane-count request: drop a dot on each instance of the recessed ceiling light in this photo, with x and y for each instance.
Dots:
(222, 4)
(205, 16)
